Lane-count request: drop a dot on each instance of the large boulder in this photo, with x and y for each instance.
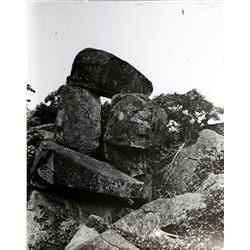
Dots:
(106, 74)
(78, 122)
(134, 122)
(159, 214)
(59, 166)
(185, 173)
(187, 221)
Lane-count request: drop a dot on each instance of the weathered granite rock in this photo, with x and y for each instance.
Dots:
(78, 122)
(106, 74)
(159, 224)
(183, 177)
(83, 235)
(137, 226)
(135, 122)
(59, 166)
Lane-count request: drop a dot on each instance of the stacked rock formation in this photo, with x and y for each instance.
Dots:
(66, 161)
(63, 164)
(134, 126)
(88, 177)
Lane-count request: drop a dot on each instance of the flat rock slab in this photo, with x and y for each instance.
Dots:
(60, 166)
(78, 122)
(106, 75)
(143, 225)
(134, 122)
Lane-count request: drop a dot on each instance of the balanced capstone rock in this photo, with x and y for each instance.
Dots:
(106, 75)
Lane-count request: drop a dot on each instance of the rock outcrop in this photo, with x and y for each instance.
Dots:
(134, 122)
(106, 74)
(90, 173)
(134, 126)
(159, 214)
(78, 122)
(159, 224)
(83, 235)
(57, 165)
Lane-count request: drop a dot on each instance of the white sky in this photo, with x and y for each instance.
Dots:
(176, 52)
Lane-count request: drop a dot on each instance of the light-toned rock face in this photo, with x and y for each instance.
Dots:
(133, 122)
(78, 122)
(59, 166)
(88, 239)
(214, 182)
(186, 163)
(83, 235)
(106, 74)
(209, 139)
(157, 214)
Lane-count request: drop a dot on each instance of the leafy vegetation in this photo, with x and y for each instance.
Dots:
(45, 112)
(188, 114)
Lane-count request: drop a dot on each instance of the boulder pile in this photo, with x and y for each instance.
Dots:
(90, 181)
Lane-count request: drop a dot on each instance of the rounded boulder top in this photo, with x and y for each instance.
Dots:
(106, 75)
